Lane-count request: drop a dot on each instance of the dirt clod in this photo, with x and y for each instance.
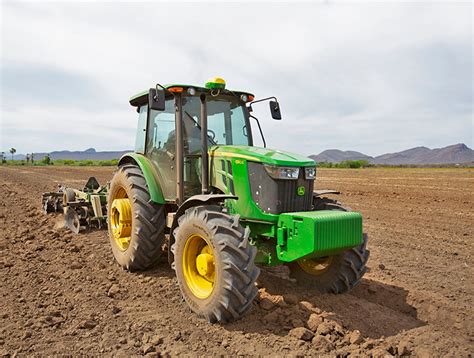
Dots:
(404, 347)
(355, 337)
(301, 333)
(88, 324)
(325, 328)
(113, 290)
(116, 309)
(314, 321)
(321, 343)
(156, 340)
(148, 348)
(422, 352)
(26, 335)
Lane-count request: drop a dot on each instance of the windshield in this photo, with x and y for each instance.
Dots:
(226, 121)
(227, 124)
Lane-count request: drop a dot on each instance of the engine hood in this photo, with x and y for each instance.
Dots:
(261, 155)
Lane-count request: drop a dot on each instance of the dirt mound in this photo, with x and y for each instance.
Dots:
(64, 294)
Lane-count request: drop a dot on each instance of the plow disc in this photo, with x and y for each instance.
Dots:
(52, 201)
(72, 220)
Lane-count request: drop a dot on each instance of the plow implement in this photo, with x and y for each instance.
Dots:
(82, 209)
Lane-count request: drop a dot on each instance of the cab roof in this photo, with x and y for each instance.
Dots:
(142, 98)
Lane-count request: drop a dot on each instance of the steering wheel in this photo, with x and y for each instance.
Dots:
(212, 134)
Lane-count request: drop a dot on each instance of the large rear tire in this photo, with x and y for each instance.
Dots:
(136, 224)
(214, 264)
(332, 274)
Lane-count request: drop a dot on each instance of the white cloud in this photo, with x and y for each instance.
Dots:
(373, 77)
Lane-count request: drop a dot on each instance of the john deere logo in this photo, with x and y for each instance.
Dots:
(300, 190)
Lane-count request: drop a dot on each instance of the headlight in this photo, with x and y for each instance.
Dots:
(310, 173)
(282, 172)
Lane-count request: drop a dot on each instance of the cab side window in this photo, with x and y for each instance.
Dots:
(141, 130)
(161, 129)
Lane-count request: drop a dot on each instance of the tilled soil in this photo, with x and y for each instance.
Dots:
(63, 293)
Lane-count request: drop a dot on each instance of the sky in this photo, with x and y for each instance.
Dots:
(375, 77)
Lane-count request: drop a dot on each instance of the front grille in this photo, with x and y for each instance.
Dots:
(279, 196)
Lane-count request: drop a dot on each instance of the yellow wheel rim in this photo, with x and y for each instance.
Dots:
(199, 266)
(315, 267)
(121, 220)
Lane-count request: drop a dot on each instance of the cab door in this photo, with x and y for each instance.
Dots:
(161, 147)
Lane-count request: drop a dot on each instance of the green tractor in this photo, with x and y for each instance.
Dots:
(197, 185)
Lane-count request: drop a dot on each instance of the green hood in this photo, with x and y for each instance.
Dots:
(261, 155)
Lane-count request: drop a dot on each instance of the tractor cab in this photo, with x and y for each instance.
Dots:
(227, 124)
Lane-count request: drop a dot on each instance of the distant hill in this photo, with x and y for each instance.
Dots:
(337, 156)
(415, 155)
(453, 154)
(88, 154)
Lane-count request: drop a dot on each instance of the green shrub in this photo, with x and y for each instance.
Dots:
(47, 160)
(83, 163)
(353, 164)
(108, 163)
(324, 165)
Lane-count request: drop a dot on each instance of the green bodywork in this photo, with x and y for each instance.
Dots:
(151, 174)
(261, 223)
(317, 233)
(281, 237)
(288, 236)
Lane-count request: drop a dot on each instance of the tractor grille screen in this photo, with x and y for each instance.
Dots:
(279, 196)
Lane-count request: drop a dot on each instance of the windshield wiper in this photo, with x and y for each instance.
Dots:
(199, 127)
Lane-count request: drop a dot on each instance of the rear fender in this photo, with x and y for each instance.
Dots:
(149, 172)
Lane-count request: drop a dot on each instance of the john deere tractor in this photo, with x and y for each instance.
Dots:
(197, 185)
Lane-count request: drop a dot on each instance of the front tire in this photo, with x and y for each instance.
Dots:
(324, 203)
(136, 224)
(214, 264)
(332, 274)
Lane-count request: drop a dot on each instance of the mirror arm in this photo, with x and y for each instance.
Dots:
(260, 129)
(274, 106)
(261, 100)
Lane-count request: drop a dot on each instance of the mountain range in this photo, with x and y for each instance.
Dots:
(88, 154)
(453, 154)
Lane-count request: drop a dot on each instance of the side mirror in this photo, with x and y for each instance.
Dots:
(156, 99)
(275, 110)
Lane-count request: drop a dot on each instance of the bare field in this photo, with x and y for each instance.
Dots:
(63, 293)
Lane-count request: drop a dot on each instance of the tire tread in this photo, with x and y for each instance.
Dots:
(149, 219)
(240, 272)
